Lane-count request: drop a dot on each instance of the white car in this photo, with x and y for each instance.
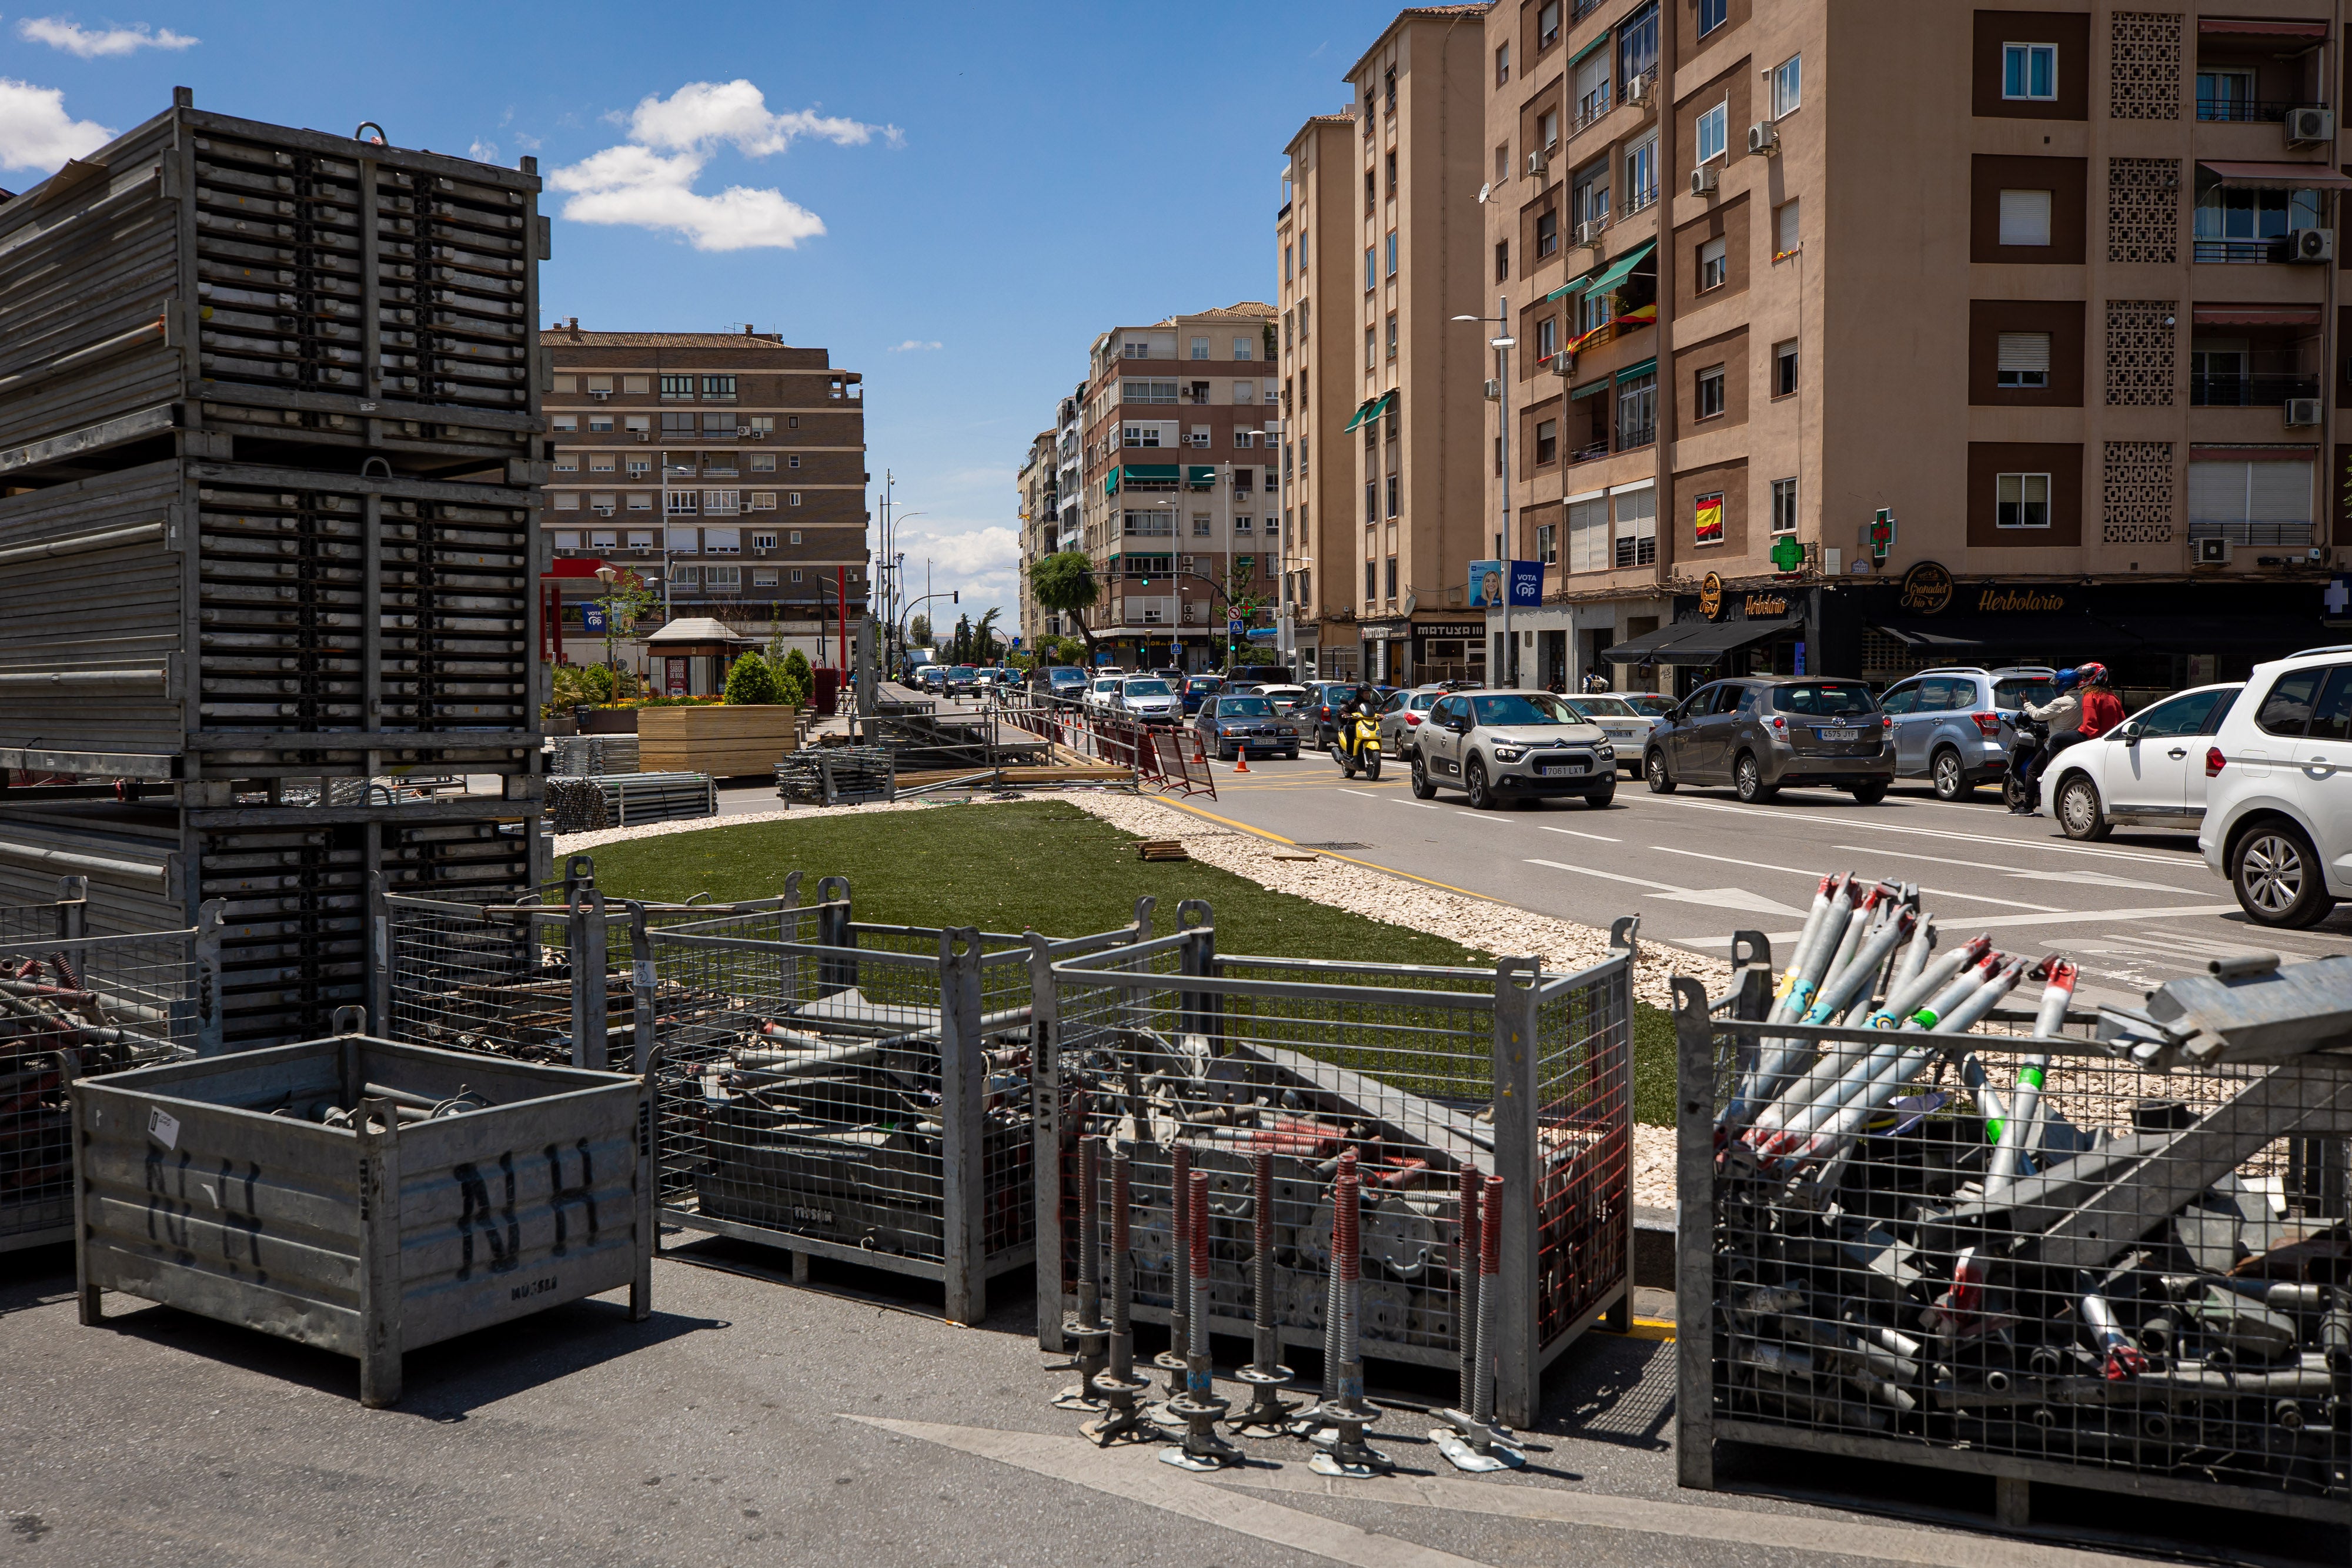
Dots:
(2147, 772)
(1102, 693)
(1284, 697)
(1627, 726)
(2278, 790)
(1148, 699)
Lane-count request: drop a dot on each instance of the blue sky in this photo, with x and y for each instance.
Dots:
(993, 184)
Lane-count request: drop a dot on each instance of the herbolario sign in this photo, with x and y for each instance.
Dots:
(1927, 588)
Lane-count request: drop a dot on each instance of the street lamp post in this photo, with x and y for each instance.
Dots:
(1502, 344)
(607, 576)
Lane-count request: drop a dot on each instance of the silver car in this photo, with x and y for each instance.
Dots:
(1955, 726)
(1403, 718)
(1627, 726)
(1495, 746)
(1148, 699)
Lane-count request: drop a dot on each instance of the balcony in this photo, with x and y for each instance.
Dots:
(1591, 452)
(2249, 391)
(1590, 108)
(2246, 110)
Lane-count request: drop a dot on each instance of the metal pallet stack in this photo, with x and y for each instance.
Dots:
(270, 457)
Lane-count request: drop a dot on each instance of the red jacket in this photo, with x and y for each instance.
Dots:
(2101, 711)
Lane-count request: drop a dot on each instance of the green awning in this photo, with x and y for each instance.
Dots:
(1110, 486)
(1386, 402)
(1618, 270)
(1588, 388)
(1164, 473)
(1363, 412)
(1644, 369)
(1587, 49)
(1569, 287)
(1201, 476)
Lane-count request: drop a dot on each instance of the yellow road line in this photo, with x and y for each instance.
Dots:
(1652, 1328)
(1367, 865)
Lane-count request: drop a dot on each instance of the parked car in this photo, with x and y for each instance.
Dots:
(1148, 699)
(1402, 718)
(1285, 698)
(1495, 746)
(1198, 689)
(1101, 693)
(2148, 772)
(1760, 733)
(1627, 726)
(1956, 727)
(2278, 790)
(1228, 725)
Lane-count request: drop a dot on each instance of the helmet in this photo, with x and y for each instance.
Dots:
(2065, 679)
(2092, 675)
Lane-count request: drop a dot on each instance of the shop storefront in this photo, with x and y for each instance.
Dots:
(1723, 629)
(1398, 652)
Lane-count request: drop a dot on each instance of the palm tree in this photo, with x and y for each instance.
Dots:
(983, 637)
(1065, 584)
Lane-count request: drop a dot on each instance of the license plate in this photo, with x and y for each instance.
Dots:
(1839, 734)
(1558, 769)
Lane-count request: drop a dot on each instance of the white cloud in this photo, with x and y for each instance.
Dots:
(91, 44)
(37, 133)
(914, 344)
(483, 152)
(635, 183)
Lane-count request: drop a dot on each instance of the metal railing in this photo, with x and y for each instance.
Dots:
(2293, 536)
(2249, 391)
(2239, 250)
(2246, 110)
(1163, 756)
(1424, 1072)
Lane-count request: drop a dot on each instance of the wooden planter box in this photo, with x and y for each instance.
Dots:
(722, 741)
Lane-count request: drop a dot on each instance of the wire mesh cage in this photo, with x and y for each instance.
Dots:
(858, 1091)
(1423, 1072)
(66, 916)
(2043, 1260)
(84, 1006)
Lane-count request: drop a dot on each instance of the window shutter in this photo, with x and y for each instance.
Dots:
(2278, 493)
(2025, 217)
(2217, 491)
(2024, 351)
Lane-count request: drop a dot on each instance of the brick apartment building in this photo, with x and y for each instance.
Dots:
(727, 469)
(2053, 286)
(1181, 502)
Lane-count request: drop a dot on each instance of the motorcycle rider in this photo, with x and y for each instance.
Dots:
(2101, 709)
(1364, 701)
(2063, 714)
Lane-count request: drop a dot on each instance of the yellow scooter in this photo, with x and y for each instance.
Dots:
(1359, 745)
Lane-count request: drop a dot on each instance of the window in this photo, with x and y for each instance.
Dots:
(764, 463)
(1709, 401)
(1637, 411)
(678, 386)
(567, 463)
(1148, 392)
(1200, 524)
(764, 577)
(1788, 86)
(1706, 518)
(2025, 217)
(636, 386)
(1395, 486)
(683, 541)
(2250, 503)
(721, 503)
(2226, 95)
(641, 538)
(2029, 71)
(1712, 15)
(685, 576)
(1784, 506)
(1200, 348)
(1636, 536)
(567, 539)
(1788, 233)
(1547, 25)
(639, 467)
(1637, 43)
(1392, 334)
(1546, 441)
(600, 385)
(566, 384)
(763, 501)
(1641, 173)
(797, 574)
(604, 502)
(1242, 524)
(1371, 270)
(1391, 174)
(1372, 347)
(1714, 264)
(1588, 535)
(2021, 359)
(677, 427)
(1548, 543)
(600, 424)
(1286, 252)
(794, 536)
(1712, 129)
(2021, 501)
(1547, 337)
(1784, 368)
(1502, 261)
(1242, 390)
(567, 421)
(1548, 129)
(723, 576)
(1502, 65)
(1546, 232)
(1588, 196)
(639, 501)
(1241, 348)
(717, 426)
(1393, 267)
(1371, 581)
(792, 497)
(763, 541)
(603, 540)
(2237, 225)
(792, 422)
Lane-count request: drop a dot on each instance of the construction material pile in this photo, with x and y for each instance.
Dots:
(837, 775)
(2128, 1252)
(591, 756)
(47, 1010)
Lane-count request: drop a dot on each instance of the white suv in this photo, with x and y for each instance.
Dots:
(2278, 792)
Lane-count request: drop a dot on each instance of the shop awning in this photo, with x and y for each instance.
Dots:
(2050, 636)
(1363, 412)
(1587, 49)
(1159, 473)
(1644, 369)
(2243, 27)
(1617, 271)
(1374, 409)
(1201, 476)
(1588, 388)
(2256, 315)
(1928, 640)
(2277, 176)
(1715, 639)
(1646, 648)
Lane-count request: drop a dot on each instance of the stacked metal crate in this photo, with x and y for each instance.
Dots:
(269, 456)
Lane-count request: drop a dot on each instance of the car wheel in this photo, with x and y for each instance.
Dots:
(1747, 779)
(1950, 776)
(1225, 754)
(1654, 768)
(1291, 755)
(1474, 779)
(2078, 809)
(1423, 789)
(2276, 875)
(1599, 798)
(1869, 794)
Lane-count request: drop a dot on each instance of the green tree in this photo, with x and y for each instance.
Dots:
(984, 640)
(624, 601)
(751, 682)
(796, 678)
(1065, 583)
(918, 632)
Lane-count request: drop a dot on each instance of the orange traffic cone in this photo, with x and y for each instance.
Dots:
(1240, 758)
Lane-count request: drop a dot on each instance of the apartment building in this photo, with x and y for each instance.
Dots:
(1180, 509)
(729, 470)
(1037, 491)
(1414, 431)
(1315, 236)
(1855, 338)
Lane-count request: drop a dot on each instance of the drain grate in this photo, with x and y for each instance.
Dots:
(1337, 844)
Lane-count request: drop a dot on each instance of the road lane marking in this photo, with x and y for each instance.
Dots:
(1714, 897)
(1814, 875)
(2171, 912)
(2071, 876)
(1328, 855)
(1784, 818)
(1367, 794)
(1572, 833)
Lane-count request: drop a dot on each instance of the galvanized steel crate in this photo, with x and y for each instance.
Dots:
(2154, 1303)
(860, 1094)
(207, 1186)
(94, 1005)
(1424, 1071)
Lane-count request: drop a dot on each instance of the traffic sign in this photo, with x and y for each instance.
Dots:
(1233, 627)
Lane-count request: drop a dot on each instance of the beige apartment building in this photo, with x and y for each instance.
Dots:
(1315, 235)
(729, 470)
(1038, 492)
(1181, 501)
(1854, 337)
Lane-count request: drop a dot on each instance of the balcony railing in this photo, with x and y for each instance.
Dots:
(2249, 392)
(1583, 8)
(2240, 250)
(1637, 200)
(2294, 535)
(2246, 110)
(1598, 449)
(1589, 108)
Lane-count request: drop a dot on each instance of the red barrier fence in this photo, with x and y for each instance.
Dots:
(1164, 758)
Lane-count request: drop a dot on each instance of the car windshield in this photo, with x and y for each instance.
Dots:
(963, 672)
(1532, 707)
(1244, 707)
(1146, 688)
(1651, 704)
(1615, 707)
(2016, 691)
(1111, 685)
(1825, 699)
(1204, 683)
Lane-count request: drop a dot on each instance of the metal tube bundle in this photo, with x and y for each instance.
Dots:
(1267, 1416)
(1117, 1386)
(1171, 1360)
(1472, 1441)
(1198, 1407)
(1088, 1327)
(1348, 1413)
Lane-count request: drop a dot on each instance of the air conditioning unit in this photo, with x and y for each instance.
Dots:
(2214, 552)
(759, 550)
(2304, 126)
(1705, 180)
(1494, 390)
(1536, 164)
(756, 435)
(1562, 363)
(1643, 87)
(600, 396)
(1589, 232)
(1763, 139)
(642, 434)
(2311, 245)
(607, 511)
(2301, 410)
